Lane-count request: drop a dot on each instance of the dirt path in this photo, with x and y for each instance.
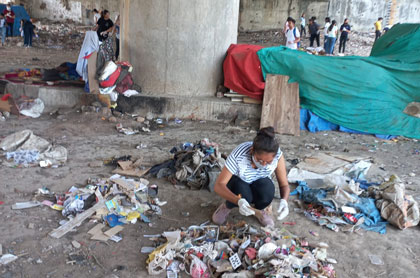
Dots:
(89, 139)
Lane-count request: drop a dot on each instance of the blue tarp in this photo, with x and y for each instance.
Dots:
(366, 206)
(311, 122)
(20, 13)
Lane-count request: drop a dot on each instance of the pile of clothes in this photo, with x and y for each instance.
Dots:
(347, 207)
(238, 250)
(196, 165)
(99, 71)
(118, 201)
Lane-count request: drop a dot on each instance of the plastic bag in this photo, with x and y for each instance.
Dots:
(198, 268)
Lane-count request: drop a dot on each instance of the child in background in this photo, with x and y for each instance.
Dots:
(3, 29)
(21, 28)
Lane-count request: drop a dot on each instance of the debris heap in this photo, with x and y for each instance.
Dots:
(238, 250)
(196, 165)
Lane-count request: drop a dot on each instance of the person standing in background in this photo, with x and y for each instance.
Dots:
(345, 31)
(104, 26)
(28, 32)
(327, 25)
(292, 35)
(10, 19)
(117, 37)
(302, 25)
(2, 29)
(96, 16)
(332, 37)
(314, 31)
(378, 28)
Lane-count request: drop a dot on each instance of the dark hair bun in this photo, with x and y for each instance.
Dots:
(267, 131)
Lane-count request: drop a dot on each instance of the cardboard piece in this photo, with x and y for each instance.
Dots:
(125, 165)
(113, 231)
(131, 172)
(93, 83)
(95, 229)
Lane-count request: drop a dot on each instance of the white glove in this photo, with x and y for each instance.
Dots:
(283, 209)
(245, 208)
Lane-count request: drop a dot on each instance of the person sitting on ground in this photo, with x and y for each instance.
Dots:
(378, 28)
(104, 26)
(303, 25)
(332, 37)
(96, 16)
(292, 35)
(10, 19)
(246, 179)
(2, 29)
(314, 31)
(326, 26)
(345, 31)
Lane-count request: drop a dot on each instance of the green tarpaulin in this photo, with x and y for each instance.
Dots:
(362, 93)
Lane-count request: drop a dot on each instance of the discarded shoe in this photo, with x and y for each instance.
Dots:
(221, 213)
(265, 219)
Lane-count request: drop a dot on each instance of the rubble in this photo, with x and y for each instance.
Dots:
(196, 165)
(114, 201)
(238, 250)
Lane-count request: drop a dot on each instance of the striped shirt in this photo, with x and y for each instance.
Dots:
(239, 163)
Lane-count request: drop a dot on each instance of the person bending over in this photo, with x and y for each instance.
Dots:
(246, 179)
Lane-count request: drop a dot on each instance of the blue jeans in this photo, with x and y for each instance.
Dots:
(3, 34)
(330, 45)
(10, 29)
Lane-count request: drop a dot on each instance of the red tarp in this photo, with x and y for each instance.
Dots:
(242, 70)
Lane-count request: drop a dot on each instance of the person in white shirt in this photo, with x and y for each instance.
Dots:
(96, 16)
(292, 35)
(327, 25)
(303, 25)
(332, 37)
(246, 180)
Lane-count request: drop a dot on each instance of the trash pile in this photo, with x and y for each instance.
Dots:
(238, 250)
(334, 192)
(25, 149)
(113, 202)
(197, 165)
(315, 50)
(56, 35)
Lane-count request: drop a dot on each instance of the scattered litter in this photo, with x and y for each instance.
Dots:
(376, 260)
(238, 250)
(27, 149)
(26, 205)
(76, 244)
(7, 258)
(115, 201)
(126, 131)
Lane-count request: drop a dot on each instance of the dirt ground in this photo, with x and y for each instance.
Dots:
(88, 138)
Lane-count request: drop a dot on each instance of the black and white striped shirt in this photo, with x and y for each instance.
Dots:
(239, 163)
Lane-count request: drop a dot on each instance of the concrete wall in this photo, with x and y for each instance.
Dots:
(257, 15)
(408, 11)
(178, 46)
(362, 14)
(77, 10)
